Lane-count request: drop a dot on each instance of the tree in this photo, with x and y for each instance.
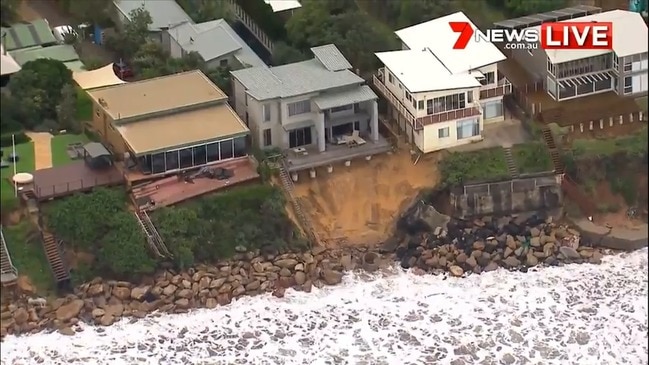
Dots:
(356, 34)
(283, 54)
(123, 250)
(220, 76)
(38, 86)
(418, 11)
(11, 114)
(67, 109)
(515, 8)
(9, 11)
(90, 11)
(205, 10)
(127, 42)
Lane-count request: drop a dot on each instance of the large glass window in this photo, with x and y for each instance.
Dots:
(299, 107)
(200, 155)
(186, 158)
(299, 137)
(446, 103)
(172, 160)
(468, 128)
(213, 152)
(226, 149)
(240, 147)
(158, 163)
(493, 109)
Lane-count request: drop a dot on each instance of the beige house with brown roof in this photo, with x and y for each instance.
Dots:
(169, 123)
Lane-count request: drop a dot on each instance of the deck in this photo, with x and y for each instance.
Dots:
(334, 154)
(75, 177)
(172, 190)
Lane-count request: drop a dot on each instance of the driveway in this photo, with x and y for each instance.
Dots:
(48, 9)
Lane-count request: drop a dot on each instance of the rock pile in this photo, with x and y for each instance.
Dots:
(103, 302)
(486, 244)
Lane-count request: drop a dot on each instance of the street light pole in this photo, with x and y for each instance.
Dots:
(13, 147)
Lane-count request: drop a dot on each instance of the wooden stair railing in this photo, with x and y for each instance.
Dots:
(511, 165)
(154, 239)
(303, 218)
(54, 257)
(9, 273)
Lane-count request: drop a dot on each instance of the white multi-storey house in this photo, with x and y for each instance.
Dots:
(442, 97)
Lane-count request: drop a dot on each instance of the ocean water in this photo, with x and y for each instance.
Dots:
(575, 314)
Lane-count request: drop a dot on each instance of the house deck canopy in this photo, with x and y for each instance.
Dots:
(94, 79)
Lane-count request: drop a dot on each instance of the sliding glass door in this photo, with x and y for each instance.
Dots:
(194, 156)
(299, 137)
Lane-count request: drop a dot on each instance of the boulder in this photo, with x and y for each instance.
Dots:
(70, 310)
(456, 271)
(121, 292)
(569, 252)
(95, 289)
(25, 285)
(21, 316)
(511, 262)
(106, 320)
(139, 292)
(211, 303)
(300, 278)
(332, 277)
(67, 331)
(286, 263)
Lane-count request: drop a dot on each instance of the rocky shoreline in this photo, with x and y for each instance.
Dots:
(448, 246)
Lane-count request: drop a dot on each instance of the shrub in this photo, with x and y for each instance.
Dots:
(483, 165)
(19, 137)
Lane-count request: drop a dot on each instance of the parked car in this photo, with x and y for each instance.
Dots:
(123, 70)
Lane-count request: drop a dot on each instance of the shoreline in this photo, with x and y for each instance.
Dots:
(104, 302)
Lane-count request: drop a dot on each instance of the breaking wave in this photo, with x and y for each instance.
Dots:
(575, 314)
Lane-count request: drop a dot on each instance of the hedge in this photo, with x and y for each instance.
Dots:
(19, 137)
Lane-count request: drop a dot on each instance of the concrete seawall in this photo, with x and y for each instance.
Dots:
(615, 238)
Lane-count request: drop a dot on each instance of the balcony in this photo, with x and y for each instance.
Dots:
(504, 87)
(419, 123)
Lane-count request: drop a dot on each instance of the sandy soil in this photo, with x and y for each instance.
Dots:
(359, 204)
(618, 218)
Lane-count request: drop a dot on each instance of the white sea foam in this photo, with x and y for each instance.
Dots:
(576, 314)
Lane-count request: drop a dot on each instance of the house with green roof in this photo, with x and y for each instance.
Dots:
(63, 52)
(28, 34)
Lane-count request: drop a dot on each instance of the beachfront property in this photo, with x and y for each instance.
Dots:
(168, 124)
(318, 111)
(568, 74)
(439, 96)
(217, 43)
(584, 90)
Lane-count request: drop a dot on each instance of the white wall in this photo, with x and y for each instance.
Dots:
(639, 83)
(430, 140)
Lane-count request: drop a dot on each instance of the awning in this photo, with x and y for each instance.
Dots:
(96, 149)
(100, 77)
(333, 100)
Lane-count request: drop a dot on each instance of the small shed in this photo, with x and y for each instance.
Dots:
(97, 156)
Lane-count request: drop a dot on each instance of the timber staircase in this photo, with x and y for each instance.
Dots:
(511, 165)
(153, 238)
(303, 218)
(548, 138)
(54, 256)
(9, 273)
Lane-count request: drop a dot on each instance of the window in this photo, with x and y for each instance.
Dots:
(299, 137)
(628, 65)
(469, 96)
(420, 105)
(443, 132)
(226, 149)
(446, 103)
(414, 103)
(390, 78)
(492, 109)
(267, 137)
(240, 149)
(172, 160)
(299, 107)
(408, 96)
(468, 128)
(342, 108)
(97, 113)
(400, 86)
(266, 112)
(489, 79)
(186, 158)
(213, 152)
(549, 67)
(200, 155)
(615, 61)
(223, 63)
(628, 84)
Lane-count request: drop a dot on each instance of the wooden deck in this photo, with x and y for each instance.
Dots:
(75, 177)
(171, 190)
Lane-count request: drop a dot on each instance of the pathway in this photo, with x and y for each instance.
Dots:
(42, 149)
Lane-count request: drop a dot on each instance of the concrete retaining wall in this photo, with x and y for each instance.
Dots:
(615, 238)
(527, 193)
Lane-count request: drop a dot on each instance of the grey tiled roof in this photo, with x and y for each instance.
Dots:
(329, 69)
(336, 99)
(214, 39)
(331, 57)
(293, 79)
(164, 13)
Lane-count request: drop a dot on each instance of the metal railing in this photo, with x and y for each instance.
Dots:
(250, 24)
(7, 265)
(396, 102)
(55, 190)
(303, 218)
(503, 87)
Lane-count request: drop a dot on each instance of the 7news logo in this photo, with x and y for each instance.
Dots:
(561, 35)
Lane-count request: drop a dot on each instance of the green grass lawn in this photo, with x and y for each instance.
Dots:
(482, 165)
(25, 164)
(60, 145)
(28, 256)
(532, 157)
(84, 106)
